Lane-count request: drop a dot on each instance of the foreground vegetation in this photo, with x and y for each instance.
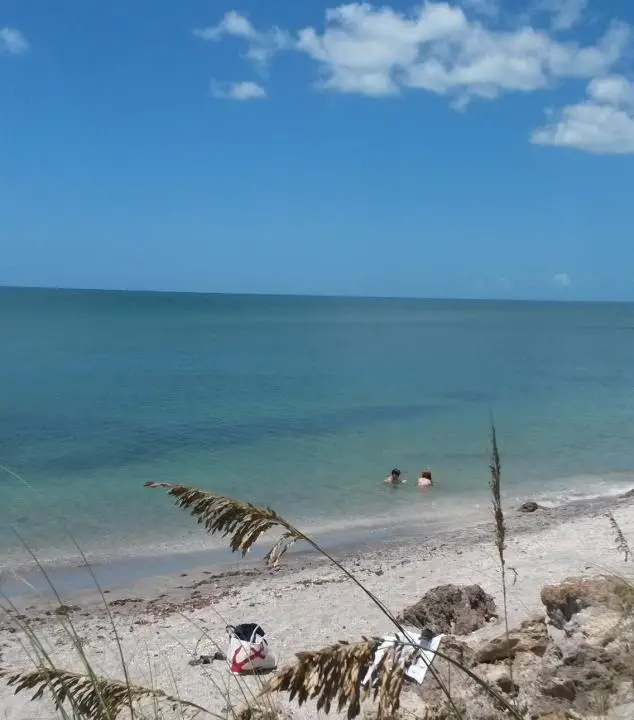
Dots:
(330, 676)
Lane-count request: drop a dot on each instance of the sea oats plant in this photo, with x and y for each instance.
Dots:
(620, 540)
(495, 484)
(334, 675)
(92, 698)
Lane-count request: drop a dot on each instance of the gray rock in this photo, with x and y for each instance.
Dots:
(531, 637)
(430, 701)
(585, 681)
(499, 676)
(558, 688)
(570, 597)
(529, 507)
(621, 712)
(451, 609)
(588, 667)
(582, 669)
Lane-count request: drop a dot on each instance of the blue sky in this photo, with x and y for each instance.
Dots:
(474, 149)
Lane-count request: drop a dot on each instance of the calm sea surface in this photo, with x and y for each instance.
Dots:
(304, 404)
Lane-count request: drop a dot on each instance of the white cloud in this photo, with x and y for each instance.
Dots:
(261, 45)
(381, 51)
(13, 41)
(603, 123)
(613, 90)
(369, 51)
(562, 280)
(462, 52)
(231, 24)
(238, 91)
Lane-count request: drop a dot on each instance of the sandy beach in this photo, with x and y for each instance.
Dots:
(164, 622)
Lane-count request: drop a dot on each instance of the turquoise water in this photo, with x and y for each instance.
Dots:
(301, 403)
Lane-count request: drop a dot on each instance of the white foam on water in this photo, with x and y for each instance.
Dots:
(425, 511)
(562, 491)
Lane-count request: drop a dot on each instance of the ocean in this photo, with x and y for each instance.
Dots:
(300, 403)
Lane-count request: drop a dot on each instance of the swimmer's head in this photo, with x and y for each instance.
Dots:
(396, 472)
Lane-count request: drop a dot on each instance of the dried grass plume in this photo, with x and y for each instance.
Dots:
(495, 483)
(333, 675)
(89, 697)
(241, 522)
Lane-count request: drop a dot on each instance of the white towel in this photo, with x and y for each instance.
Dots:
(417, 670)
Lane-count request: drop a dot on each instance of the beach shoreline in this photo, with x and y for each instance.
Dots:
(123, 559)
(164, 622)
(140, 576)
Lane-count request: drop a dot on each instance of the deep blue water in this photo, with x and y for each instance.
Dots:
(301, 403)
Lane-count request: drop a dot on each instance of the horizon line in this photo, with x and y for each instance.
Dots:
(324, 296)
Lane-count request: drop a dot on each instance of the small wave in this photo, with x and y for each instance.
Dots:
(587, 487)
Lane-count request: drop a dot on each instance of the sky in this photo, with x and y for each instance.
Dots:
(482, 148)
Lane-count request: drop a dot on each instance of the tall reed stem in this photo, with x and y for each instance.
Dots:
(495, 484)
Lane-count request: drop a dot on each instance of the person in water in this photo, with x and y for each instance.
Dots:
(394, 478)
(425, 481)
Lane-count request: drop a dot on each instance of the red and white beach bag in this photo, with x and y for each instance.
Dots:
(248, 652)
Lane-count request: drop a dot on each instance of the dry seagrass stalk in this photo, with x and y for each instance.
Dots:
(242, 522)
(620, 540)
(495, 484)
(91, 698)
(274, 555)
(334, 674)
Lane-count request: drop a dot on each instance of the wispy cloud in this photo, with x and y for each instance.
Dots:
(238, 91)
(565, 14)
(488, 8)
(231, 24)
(12, 41)
(261, 46)
(562, 280)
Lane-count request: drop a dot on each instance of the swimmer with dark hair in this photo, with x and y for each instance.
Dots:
(394, 478)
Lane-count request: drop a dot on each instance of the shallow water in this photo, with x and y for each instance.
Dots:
(304, 404)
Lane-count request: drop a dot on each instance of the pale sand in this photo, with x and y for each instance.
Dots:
(310, 604)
